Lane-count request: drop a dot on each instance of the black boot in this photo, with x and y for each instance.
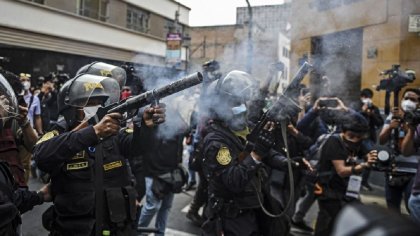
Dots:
(195, 218)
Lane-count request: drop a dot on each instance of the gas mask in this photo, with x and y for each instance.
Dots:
(238, 122)
(90, 111)
(408, 105)
(26, 85)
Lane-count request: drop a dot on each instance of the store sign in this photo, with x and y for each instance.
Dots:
(173, 48)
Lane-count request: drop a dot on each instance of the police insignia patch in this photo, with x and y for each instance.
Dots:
(129, 131)
(48, 136)
(223, 156)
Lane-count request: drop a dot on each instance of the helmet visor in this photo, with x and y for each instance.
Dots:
(90, 90)
(8, 101)
(106, 70)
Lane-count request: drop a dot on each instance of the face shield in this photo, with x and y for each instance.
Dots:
(91, 90)
(8, 102)
(238, 85)
(105, 70)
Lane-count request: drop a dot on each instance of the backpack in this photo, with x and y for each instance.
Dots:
(320, 180)
(314, 156)
(9, 213)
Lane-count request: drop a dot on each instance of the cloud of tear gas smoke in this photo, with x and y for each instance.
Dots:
(179, 106)
(337, 38)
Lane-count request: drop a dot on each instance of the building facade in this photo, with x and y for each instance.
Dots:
(351, 41)
(229, 43)
(40, 35)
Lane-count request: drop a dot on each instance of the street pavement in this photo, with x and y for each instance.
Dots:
(179, 225)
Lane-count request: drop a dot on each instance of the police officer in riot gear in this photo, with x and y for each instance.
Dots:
(71, 153)
(234, 182)
(106, 70)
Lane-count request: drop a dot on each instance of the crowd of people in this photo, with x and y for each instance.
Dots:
(260, 168)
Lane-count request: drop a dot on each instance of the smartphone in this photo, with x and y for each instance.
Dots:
(21, 101)
(328, 103)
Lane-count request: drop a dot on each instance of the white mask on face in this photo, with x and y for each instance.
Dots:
(408, 105)
(26, 85)
(366, 100)
(90, 111)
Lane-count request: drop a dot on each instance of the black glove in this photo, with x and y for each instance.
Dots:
(265, 141)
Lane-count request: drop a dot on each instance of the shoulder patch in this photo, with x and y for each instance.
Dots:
(223, 156)
(48, 136)
(129, 130)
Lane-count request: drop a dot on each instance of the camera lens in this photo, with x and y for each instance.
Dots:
(383, 156)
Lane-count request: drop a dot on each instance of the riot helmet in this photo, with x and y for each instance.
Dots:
(8, 102)
(106, 70)
(85, 91)
(231, 95)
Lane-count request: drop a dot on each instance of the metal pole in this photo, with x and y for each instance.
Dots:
(250, 45)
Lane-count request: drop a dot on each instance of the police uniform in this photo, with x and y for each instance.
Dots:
(69, 157)
(233, 201)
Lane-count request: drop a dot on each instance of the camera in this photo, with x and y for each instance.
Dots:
(412, 117)
(383, 162)
(396, 79)
(330, 102)
(391, 162)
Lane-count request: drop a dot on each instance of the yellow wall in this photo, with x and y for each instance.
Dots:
(385, 28)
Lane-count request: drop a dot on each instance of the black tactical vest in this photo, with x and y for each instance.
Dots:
(248, 198)
(73, 189)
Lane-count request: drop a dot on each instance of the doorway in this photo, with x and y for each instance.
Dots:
(339, 57)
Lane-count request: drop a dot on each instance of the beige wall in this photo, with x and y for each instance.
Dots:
(218, 42)
(307, 21)
(385, 28)
(228, 45)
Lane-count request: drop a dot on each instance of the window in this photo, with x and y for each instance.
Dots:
(138, 20)
(96, 9)
(285, 52)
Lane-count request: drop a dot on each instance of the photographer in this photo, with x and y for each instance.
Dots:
(319, 120)
(409, 146)
(34, 105)
(398, 184)
(338, 170)
(372, 114)
(48, 98)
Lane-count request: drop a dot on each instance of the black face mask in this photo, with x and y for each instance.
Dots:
(351, 146)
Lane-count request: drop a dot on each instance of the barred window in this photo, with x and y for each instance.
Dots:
(96, 9)
(138, 19)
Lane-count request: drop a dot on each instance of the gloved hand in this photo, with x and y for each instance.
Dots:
(155, 115)
(109, 125)
(265, 140)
